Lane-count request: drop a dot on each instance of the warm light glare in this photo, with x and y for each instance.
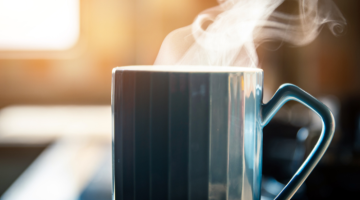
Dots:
(50, 122)
(38, 24)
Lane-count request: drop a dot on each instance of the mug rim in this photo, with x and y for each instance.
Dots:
(187, 68)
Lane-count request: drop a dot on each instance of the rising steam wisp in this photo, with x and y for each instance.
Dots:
(228, 34)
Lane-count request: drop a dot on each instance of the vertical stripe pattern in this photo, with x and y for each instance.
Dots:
(159, 133)
(218, 150)
(186, 136)
(179, 136)
(142, 136)
(199, 136)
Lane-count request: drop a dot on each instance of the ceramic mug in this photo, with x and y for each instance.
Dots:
(193, 132)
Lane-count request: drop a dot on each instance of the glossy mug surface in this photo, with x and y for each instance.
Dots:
(192, 132)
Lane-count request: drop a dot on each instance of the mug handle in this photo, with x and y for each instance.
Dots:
(288, 92)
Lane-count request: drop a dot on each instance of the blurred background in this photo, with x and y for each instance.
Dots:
(56, 58)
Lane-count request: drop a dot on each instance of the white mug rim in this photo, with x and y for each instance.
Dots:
(187, 68)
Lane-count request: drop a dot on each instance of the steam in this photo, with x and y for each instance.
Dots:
(228, 34)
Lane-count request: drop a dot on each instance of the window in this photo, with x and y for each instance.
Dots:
(38, 24)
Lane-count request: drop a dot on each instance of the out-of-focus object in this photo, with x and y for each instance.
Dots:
(81, 145)
(42, 124)
(39, 24)
(60, 172)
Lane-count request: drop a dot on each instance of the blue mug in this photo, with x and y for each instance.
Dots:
(193, 132)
